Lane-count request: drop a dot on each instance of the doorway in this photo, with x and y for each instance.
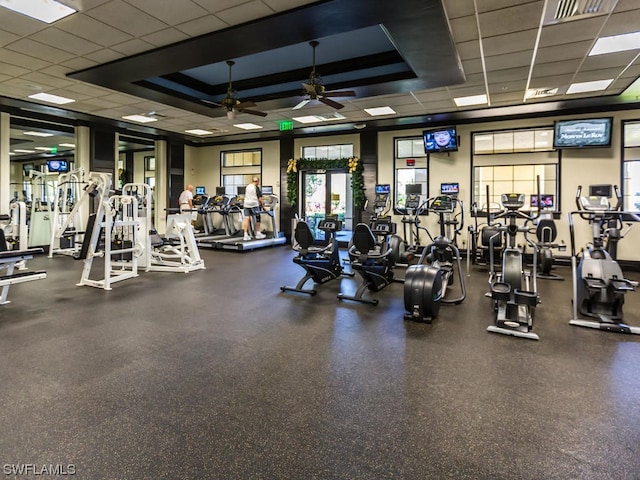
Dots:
(328, 192)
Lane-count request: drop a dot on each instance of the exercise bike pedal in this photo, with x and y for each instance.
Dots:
(621, 285)
(523, 297)
(594, 284)
(501, 291)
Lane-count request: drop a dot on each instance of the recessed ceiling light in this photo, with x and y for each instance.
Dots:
(70, 145)
(616, 43)
(379, 111)
(140, 118)
(44, 149)
(12, 153)
(198, 131)
(307, 119)
(320, 118)
(47, 97)
(47, 11)
(594, 86)
(541, 92)
(17, 150)
(471, 100)
(247, 126)
(38, 134)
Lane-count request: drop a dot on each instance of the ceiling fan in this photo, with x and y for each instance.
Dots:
(315, 89)
(232, 103)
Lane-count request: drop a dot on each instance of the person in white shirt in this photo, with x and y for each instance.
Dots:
(252, 207)
(186, 204)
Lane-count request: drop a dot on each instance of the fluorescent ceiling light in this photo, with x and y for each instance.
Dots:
(307, 119)
(140, 118)
(38, 134)
(17, 150)
(47, 97)
(541, 92)
(70, 145)
(199, 131)
(595, 86)
(379, 111)
(616, 43)
(471, 100)
(12, 153)
(47, 11)
(247, 126)
(319, 118)
(44, 149)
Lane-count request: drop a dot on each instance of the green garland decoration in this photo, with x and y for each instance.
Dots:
(352, 164)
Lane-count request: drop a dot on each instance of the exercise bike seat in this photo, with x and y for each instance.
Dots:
(304, 236)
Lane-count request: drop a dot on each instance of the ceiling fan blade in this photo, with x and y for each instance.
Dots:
(210, 102)
(301, 104)
(331, 103)
(247, 104)
(344, 93)
(252, 112)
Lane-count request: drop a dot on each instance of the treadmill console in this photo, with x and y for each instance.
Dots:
(513, 201)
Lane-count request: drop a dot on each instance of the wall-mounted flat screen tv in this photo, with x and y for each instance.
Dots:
(449, 188)
(546, 200)
(57, 166)
(440, 140)
(383, 189)
(413, 189)
(221, 190)
(200, 190)
(584, 133)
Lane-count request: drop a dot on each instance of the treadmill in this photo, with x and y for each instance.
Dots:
(274, 237)
(220, 204)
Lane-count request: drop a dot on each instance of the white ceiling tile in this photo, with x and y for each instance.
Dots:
(21, 60)
(569, 32)
(507, 74)
(464, 29)
(556, 68)
(214, 6)
(611, 60)
(94, 30)
(65, 41)
(127, 18)
(459, 8)
(79, 63)
(207, 24)
(563, 52)
(165, 37)
(509, 60)
(244, 13)
(18, 24)
(509, 43)
(40, 78)
(468, 50)
(170, 12)
(12, 70)
(131, 47)
(283, 5)
(103, 56)
(39, 50)
(624, 22)
(7, 37)
(510, 19)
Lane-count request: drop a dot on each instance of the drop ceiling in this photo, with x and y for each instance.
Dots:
(124, 57)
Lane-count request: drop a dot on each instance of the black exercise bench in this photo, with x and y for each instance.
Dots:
(8, 261)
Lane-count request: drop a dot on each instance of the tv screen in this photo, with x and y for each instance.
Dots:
(57, 166)
(440, 140)
(241, 190)
(221, 191)
(200, 191)
(546, 200)
(267, 190)
(449, 188)
(600, 191)
(383, 189)
(585, 133)
(413, 188)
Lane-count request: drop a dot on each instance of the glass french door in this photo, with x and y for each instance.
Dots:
(327, 193)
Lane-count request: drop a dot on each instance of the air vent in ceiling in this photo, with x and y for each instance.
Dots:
(567, 10)
(541, 92)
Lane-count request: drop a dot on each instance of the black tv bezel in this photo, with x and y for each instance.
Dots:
(61, 162)
(453, 132)
(221, 190)
(557, 123)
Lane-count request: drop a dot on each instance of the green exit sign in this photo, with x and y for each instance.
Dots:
(286, 125)
(53, 150)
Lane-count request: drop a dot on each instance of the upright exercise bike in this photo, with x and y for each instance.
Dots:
(514, 290)
(599, 286)
(426, 283)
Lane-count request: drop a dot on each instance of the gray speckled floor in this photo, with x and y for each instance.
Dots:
(218, 375)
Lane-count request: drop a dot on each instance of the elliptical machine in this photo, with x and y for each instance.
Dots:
(322, 263)
(546, 233)
(513, 290)
(426, 283)
(599, 285)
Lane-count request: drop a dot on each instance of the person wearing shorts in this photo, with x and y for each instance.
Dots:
(252, 207)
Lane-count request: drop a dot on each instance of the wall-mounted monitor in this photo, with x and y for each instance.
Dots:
(584, 133)
(221, 191)
(546, 200)
(450, 188)
(241, 190)
(267, 190)
(440, 140)
(413, 189)
(383, 189)
(200, 190)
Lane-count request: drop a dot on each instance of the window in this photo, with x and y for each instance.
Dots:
(330, 152)
(239, 167)
(511, 161)
(631, 166)
(410, 167)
